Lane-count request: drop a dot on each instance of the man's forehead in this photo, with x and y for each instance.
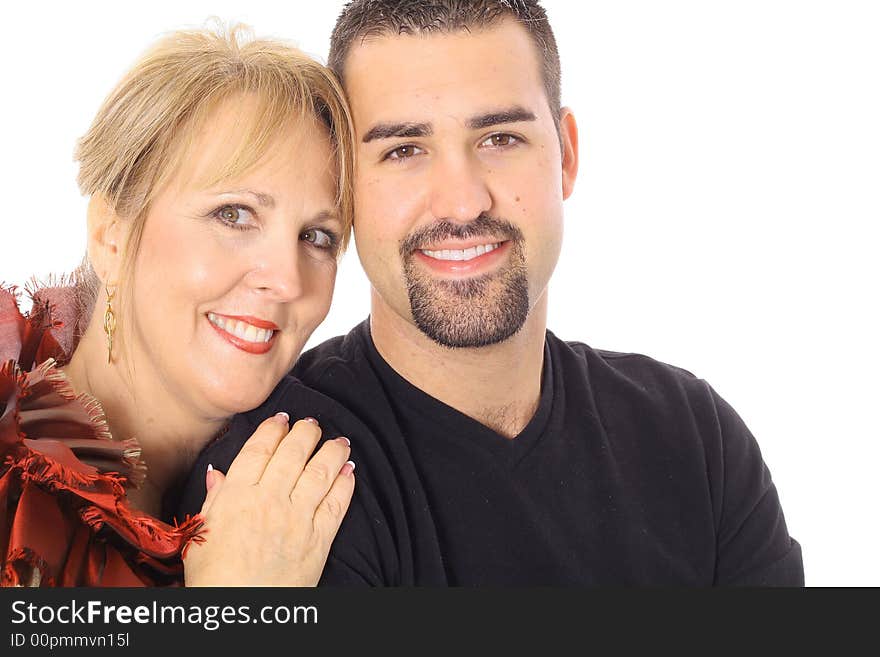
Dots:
(502, 47)
(399, 77)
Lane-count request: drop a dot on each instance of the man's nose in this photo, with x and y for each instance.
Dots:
(459, 190)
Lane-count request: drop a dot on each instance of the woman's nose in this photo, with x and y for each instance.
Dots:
(276, 272)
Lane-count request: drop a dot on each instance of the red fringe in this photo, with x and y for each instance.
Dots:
(59, 441)
(54, 477)
(153, 537)
(22, 558)
(37, 390)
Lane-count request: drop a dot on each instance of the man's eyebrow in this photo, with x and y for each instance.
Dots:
(403, 129)
(388, 130)
(509, 115)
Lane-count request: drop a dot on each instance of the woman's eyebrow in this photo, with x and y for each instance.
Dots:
(263, 199)
(326, 215)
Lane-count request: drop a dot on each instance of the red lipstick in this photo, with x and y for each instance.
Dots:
(259, 323)
(246, 345)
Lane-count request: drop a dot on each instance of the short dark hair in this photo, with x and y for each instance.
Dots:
(361, 19)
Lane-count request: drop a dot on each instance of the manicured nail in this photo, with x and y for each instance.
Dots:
(283, 416)
(210, 468)
(347, 441)
(348, 468)
(209, 477)
(310, 419)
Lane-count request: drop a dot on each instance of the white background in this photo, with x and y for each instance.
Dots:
(724, 219)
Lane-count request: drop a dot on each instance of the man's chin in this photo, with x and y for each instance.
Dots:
(470, 313)
(467, 337)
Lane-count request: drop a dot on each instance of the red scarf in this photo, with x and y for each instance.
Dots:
(64, 516)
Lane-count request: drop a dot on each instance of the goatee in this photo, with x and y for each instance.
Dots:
(473, 312)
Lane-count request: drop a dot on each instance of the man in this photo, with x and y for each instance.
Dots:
(489, 451)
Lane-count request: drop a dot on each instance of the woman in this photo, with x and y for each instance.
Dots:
(218, 175)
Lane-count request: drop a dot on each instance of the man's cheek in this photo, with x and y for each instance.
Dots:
(367, 180)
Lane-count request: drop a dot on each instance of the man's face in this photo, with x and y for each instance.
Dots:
(460, 179)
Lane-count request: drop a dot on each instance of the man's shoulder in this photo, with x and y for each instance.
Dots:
(334, 357)
(629, 389)
(295, 398)
(605, 367)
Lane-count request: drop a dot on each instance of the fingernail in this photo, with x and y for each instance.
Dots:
(210, 468)
(348, 468)
(209, 477)
(283, 416)
(310, 419)
(347, 441)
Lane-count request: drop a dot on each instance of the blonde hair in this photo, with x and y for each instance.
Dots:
(144, 128)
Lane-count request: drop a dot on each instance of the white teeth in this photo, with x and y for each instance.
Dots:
(217, 321)
(241, 330)
(461, 254)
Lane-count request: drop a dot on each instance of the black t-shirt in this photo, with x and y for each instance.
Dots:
(631, 472)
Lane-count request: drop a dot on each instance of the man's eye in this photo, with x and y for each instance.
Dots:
(319, 238)
(500, 140)
(235, 216)
(403, 152)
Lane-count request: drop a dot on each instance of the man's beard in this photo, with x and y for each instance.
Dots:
(472, 312)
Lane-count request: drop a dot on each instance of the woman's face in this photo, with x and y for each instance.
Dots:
(230, 281)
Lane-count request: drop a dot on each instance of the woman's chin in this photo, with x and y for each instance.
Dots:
(237, 399)
(229, 388)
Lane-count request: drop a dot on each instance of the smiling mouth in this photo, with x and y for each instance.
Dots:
(461, 255)
(243, 334)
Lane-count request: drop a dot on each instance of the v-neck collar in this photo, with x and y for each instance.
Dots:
(454, 425)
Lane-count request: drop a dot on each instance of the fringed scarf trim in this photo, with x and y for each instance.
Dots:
(59, 460)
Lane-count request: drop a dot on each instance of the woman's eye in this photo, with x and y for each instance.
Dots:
(404, 152)
(500, 140)
(319, 238)
(236, 216)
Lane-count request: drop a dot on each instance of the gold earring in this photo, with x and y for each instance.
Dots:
(109, 322)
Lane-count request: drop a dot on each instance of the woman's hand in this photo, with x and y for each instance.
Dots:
(270, 521)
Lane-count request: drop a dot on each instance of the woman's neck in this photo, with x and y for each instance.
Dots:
(170, 435)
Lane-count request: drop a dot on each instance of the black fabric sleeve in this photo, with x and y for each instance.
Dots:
(355, 556)
(364, 552)
(367, 548)
(753, 545)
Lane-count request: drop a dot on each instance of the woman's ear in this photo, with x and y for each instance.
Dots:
(106, 239)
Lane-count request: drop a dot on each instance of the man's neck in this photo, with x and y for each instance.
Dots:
(498, 386)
